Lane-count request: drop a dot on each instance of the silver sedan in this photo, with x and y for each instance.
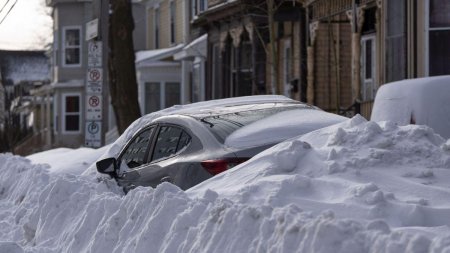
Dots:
(188, 147)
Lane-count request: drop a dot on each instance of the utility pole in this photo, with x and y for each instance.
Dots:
(104, 24)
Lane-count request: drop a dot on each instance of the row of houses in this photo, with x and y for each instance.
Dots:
(330, 53)
(22, 72)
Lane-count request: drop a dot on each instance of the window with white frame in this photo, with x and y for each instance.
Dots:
(202, 5)
(439, 37)
(368, 68)
(71, 113)
(198, 6)
(156, 21)
(172, 21)
(71, 47)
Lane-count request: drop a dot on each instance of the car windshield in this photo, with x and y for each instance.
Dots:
(222, 125)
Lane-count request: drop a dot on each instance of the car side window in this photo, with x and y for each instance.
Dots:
(135, 153)
(170, 140)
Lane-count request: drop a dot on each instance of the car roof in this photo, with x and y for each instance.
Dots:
(228, 109)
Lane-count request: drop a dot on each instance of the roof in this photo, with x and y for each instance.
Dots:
(157, 54)
(197, 48)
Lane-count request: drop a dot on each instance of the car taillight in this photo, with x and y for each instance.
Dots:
(220, 165)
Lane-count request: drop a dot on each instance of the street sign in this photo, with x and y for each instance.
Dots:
(94, 107)
(94, 80)
(94, 88)
(93, 136)
(95, 48)
(94, 84)
(92, 29)
(95, 54)
(95, 75)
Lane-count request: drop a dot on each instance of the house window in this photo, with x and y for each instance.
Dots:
(234, 70)
(172, 22)
(71, 47)
(287, 68)
(156, 18)
(439, 37)
(216, 69)
(195, 87)
(395, 66)
(245, 82)
(202, 5)
(368, 68)
(152, 97)
(71, 113)
(160, 95)
(198, 6)
(172, 94)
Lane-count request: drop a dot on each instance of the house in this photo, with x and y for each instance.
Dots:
(161, 31)
(252, 48)
(21, 72)
(70, 70)
(82, 112)
(163, 79)
(356, 46)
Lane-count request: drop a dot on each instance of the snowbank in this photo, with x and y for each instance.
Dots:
(67, 160)
(354, 187)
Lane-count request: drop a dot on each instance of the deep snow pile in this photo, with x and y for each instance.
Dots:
(353, 187)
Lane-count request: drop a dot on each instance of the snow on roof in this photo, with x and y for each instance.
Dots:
(357, 186)
(197, 47)
(422, 101)
(157, 54)
(73, 83)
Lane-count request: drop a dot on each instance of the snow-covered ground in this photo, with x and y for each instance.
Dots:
(357, 186)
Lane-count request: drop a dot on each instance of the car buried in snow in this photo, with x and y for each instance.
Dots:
(192, 143)
(420, 101)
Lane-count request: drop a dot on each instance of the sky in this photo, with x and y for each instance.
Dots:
(28, 26)
(356, 186)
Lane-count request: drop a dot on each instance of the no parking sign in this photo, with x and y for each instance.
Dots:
(94, 107)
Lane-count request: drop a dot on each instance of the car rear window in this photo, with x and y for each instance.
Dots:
(222, 125)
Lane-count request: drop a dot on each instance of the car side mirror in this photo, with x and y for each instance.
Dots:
(108, 166)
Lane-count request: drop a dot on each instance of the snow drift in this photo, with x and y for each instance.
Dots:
(353, 187)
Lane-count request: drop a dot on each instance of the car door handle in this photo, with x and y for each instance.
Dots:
(166, 179)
